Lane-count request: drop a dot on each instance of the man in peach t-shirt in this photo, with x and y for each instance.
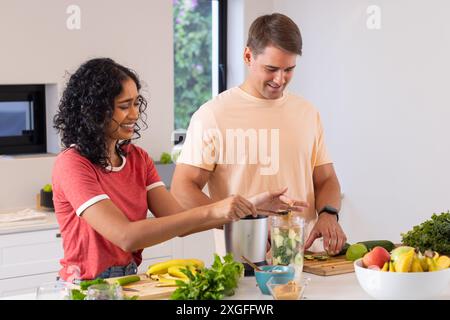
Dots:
(258, 137)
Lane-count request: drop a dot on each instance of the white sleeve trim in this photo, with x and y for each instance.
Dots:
(154, 185)
(90, 202)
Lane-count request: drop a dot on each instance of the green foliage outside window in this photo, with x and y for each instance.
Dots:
(192, 57)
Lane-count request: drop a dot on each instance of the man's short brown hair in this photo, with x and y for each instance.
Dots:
(275, 30)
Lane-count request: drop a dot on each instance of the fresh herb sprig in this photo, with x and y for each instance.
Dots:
(211, 283)
(84, 285)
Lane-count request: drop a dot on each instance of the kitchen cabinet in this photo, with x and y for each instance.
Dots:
(28, 259)
(199, 245)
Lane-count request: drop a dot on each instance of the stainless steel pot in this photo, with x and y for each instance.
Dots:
(248, 237)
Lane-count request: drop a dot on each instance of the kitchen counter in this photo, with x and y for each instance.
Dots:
(338, 287)
(31, 225)
(48, 223)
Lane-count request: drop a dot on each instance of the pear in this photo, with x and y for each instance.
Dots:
(399, 251)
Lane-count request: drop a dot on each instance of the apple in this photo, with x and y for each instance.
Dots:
(376, 257)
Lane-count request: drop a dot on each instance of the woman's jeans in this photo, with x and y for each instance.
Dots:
(119, 271)
(115, 271)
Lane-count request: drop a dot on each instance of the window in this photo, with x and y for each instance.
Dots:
(22, 119)
(199, 55)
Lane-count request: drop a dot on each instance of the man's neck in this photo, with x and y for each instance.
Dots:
(248, 88)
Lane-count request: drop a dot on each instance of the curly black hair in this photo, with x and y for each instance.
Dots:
(87, 105)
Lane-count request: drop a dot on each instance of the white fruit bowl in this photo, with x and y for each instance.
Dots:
(402, 285)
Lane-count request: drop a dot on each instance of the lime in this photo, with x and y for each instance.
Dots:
(356, 251)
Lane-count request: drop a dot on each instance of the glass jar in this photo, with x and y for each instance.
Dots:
(104, 291)
(287, 234)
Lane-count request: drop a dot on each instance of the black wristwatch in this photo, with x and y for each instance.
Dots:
(330, 210)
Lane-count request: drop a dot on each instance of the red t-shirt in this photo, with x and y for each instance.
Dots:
(78, 184)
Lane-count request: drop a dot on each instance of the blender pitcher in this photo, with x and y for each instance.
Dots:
(287, 233)
(248, 237)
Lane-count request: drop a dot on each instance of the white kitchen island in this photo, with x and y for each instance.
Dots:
(30, 252)
(337, 287)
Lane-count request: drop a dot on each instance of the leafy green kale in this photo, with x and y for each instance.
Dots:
(433, 234)
(211, 283)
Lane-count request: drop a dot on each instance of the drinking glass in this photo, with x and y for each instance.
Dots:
(56, 290)
(284, 289)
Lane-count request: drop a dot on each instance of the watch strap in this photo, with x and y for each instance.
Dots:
(330, 210)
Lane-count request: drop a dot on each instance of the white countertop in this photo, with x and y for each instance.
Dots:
(337, 287)
(32, 225)
(35, 225)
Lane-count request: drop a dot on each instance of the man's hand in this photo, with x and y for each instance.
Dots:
(333, 237)
(277, 200)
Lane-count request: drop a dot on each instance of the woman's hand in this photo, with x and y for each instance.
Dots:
(233, 208)
(277, 200)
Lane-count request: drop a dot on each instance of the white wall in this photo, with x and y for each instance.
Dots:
(241, 14)
(383, 97)
(381, 93)
(37, 47)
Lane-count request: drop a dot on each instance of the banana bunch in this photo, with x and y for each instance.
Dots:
(169, 271)
(408, 260)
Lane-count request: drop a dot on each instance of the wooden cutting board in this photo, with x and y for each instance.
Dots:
(331, 266)
(146, 289)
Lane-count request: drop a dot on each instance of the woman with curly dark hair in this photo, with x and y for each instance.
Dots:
(103, 185)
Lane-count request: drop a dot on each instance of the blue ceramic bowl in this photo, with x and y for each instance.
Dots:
(262, 277)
